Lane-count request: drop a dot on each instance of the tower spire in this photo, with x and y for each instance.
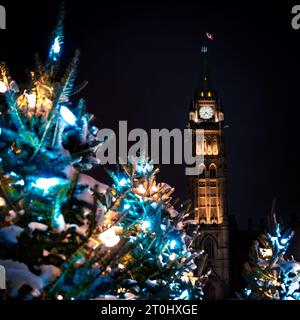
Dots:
(206, 89)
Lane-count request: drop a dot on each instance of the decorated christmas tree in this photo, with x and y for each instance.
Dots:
(141, 249)
(64, 235)
(269, 274)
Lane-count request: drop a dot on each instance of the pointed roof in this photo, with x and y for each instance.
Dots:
(205, 89)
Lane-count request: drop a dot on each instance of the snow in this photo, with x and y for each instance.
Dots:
(10, 234)
(172, 212)
(49, 273)
(69, 171)
(37, 226)
(88, 181)
(59, 223)
(82, 230)
(18, 274)
(86, 196)
(90, 184)
(130, 296)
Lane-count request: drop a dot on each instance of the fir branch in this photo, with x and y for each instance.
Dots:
(51, 116)
(69, 79)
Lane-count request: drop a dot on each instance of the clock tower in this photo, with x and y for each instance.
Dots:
(208, 190)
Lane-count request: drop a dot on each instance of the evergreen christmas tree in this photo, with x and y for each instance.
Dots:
(64, 235)
(48, 206)
(269, 274)
(141, 249)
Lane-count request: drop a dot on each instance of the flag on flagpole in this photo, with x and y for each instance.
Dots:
(209, 36)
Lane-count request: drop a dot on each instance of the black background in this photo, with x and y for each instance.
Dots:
(142, 61)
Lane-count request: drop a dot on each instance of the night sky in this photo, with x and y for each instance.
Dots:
(142, 61)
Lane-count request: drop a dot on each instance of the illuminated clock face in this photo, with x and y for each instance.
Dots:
(206, 112)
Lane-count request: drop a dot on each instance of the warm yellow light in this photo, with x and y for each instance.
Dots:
(38, 102)
(2, 202)
(15, 148)
(154, 189)
(202, 94)
(109, 238)
(215, 148)
(3, 87)
(141, 189)
(209, 149)
(209, 94)
(265, 252)
(31, 98)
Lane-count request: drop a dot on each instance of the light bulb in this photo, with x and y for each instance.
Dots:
(184, 295)
(154, 188)
(31, 98)
(67, 115)
(56, 46)
(109, 238)
(141, 189)
(173, 244)
(126, 206)
(146, 224)
(2, 202)
(46, 183)
(172, 256)
(3, 87)
(123, 182)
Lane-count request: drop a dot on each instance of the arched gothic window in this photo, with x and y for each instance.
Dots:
(212, 172)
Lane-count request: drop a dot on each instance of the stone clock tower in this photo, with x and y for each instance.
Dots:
(208, 190)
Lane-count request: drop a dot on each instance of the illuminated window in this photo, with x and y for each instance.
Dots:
(209, 94)
(204, 146)
(209, 147)
(215, 146)
(202, 94)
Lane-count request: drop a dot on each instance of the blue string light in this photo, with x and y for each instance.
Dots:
(46, 183)
(67, 115)
(173, 244)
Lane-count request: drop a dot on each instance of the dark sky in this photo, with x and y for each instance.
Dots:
(142, 61)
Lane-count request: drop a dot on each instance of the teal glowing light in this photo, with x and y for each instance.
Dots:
(123, 182)
(55, 49)
(67, 115)
(20, 182)
(126, 206)
(146, 224)
(45, 183)
(56, 46)
(13, 174)
(248, 292)
(184, 295)
(172, 244)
